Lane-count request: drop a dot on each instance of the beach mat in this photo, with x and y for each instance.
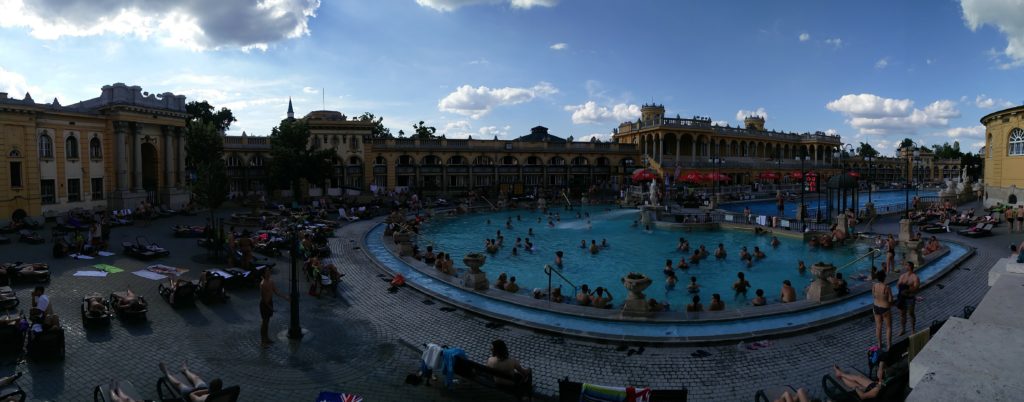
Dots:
(166, 270)
(105, 254)
(94, 274)
(108, 268)
(150, 275)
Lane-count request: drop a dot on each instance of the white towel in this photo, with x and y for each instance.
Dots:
(96, 274)
(432, 356)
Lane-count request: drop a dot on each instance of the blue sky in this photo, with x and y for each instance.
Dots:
(872, 71)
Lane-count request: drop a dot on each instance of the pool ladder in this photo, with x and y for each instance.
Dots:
(875, 252)
(548, 269)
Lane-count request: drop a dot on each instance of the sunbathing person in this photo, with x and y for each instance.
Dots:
(127, 300)
(501, 361)
(118, 395)
(196, 390)
(95, 306)
(800, 396)
(863, 386)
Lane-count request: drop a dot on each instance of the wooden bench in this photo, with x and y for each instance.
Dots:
(569, 391)
(481, 374)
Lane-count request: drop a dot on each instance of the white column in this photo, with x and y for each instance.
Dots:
(137, 156)
(168, 157)
(120, 156)
(180, 137)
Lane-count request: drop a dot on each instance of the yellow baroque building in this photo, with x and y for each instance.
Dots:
(1004, 156)
(109, 152)
(672, 144)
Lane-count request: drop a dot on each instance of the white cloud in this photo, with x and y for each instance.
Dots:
(975, 131)
(985, 102)
(835, 42)
(452, 5)
(195, 25)
(590, 112)
(882, 63)
(603, 137)
(929, 61)
(721, 123)
(804, 37)
(457, 129)
(1007, 16)
(491, 131)
(14, 84)
(743, 113)
(480, 61)
(476, 102)
(310, 90)
(872, 114)
(560, 46)
(831, 131)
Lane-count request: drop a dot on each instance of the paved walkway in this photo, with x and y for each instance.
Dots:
(363, 341)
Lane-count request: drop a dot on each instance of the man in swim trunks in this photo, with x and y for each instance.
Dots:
(880, 308)
(267, 292)
(908, 285)
(741, 285)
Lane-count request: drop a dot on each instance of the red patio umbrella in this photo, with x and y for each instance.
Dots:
(854, 174)
(798, 175)
(768, 176)
(717, 177)
(691, 177)
(643, 175)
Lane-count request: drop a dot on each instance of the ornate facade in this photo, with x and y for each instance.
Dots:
(671, 143)
(1004, 156)
(113, 151)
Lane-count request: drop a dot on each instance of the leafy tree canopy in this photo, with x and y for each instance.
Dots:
(423, 131)
(295, 158)
(378, 131)
(865, 149)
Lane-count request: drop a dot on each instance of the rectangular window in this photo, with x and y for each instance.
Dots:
(48, 190)
(74, 190)
(96, 185)
(15, 174)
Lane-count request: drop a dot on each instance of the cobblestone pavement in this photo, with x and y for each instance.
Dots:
(365, 340)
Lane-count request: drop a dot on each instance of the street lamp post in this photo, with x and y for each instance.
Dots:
(871, 166)
(716, 162)
(801, 210)
(911, 159)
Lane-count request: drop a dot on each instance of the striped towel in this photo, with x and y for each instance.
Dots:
(338, 397)
(601, 393)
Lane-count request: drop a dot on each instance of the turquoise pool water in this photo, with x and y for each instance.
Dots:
(632, 249)
(609, 329)
(880, 198)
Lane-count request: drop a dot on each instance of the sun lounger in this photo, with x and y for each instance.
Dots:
(92, 318)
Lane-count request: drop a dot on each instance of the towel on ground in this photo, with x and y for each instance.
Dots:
(166, 270)
(338, 397)
(602, 393)
(97, 274)
(108, 268)
(105, 254)
(448, 364)
(80, 256)
(432, 356)
(150, 275)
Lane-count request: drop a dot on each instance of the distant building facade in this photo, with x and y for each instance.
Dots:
(113, 151)
(1004, 156)
(671, 144)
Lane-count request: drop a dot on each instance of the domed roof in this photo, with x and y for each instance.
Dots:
(842, 181)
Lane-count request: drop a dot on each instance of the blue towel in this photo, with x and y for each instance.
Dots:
(448, 364)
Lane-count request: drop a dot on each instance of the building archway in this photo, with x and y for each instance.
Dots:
(150, 171)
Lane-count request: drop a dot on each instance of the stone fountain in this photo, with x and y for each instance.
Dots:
(635, 284)
(474, 277)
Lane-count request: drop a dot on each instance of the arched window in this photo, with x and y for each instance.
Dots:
(45, 146)
(95, 148)
(71, 147)
(1016, 142)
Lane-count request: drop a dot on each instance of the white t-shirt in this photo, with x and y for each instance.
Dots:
(42, 302)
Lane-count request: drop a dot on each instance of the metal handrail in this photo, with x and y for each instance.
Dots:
(875, 252)
(488, 202)
(548, 269)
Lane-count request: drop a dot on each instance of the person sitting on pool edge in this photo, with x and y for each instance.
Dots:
(501, 282)
(599, 300)
(788, 294)
(741, 285)
(695, 307)
(839, 284)
(759, 299)
(716, 303)
(655, 307)
(511, 286)
(583, 297)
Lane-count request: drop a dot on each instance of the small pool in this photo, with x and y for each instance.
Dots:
(716, 330)
(880, 198)
(632, 249)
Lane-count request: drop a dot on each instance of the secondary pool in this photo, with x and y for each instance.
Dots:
(631, 249)
(880, 198)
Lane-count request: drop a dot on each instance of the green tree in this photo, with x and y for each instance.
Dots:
(423, 131)
(865, 149)
(378, 131)
(203, 112)
(295, 158)
(211, 184)
(401, 134)
(907, 142)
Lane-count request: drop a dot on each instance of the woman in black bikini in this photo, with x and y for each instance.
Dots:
(882, 295)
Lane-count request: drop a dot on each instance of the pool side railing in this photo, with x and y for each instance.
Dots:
(548, 269)
(873, 253)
